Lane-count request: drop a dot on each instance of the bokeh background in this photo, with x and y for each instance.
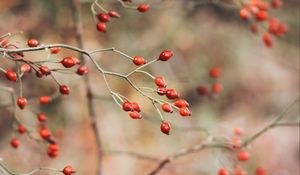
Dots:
(258, 83)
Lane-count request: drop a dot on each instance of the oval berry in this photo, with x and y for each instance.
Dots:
(55, 50)
(136, 107)
(103, 17)
(44, 99)
(216, 88)
(101, 27)
(68, 170)
(64, 89)
(215, 72)
(45, 133)
(165, 127)
(165, 55)
(21, 102)
(181, 103)
(45, 70)
(113, 14)
(223, 171)
(138, 60)
(172, 94)
(32, 42)
(166, 107)
(68, 62)
(243, 156)
(41, 117)
(161, 90)
(143, 7)
(21, 129)
(15, 143)
(160, 81)
(82, 70)
(11, 75)
(134, 115)
(184, 111)
(127, 106)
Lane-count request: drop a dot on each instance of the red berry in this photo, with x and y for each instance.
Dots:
(45, 70)
(138, 60)
(25, 68)
(44, 99)
(223, 171)
(282, 28)
(136, 107)
(216, 88)
(41, 117)
(215, 72)
(243, 156)
(237, 131)
(161, 90)
(82, 70)
(101, 27)
(134, 115)
(202, 90)
(160, 81)
(267, 39)
(184, 111)
(113, 14)
(143, 7)
(55, 50)
(166, 107)
(236, 143)
(76, 60)
(261, 15)
(172, 94)
(68, 170)
(52, 150)
(21, 102)
(21, 129)
(103, 17)
(45, 133)
(32, 42)
(15, 143)
(244, 14)
(181, 103)
(127, 106)
(11, 75)
(165, 127)
(68, 62)
(165, 55)
(260, 171)
(63, 89)
(276, 3)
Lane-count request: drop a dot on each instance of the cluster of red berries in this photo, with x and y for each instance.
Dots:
(259, 11)
(241, 156)
(104, 18)
(216, 87)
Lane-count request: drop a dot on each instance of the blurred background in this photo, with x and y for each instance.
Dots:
(259, 83)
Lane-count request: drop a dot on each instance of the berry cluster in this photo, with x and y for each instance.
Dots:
(216, 87)
(105, 15)
(258, 12)
(241, 156)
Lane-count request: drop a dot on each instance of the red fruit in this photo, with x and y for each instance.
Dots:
(171, 94)
(222, 171)
(282, 28)
(161, 90)
(68, 62)
(103, 17)
(113, 14)
(236, 143)
(76, 60)
(267, 39)
(143, 7)
(165, 55)
(25, 68)
(237, 131)
(215, 72)
(244, 14)
(136, 107)
(21, 129)
(11, 75)
(127, 106)
(276, 3)
(41, 117)
(15, 143)
(160, 81)
(184, 111)
(44, 99)
(101, 27)
(165, 127)
(63, 89)
(260, 171)
(53, 150)
(134, 115)
(243, 156)
(21, 102)
(68, 170)
(166, 107)
(181, 103)
(55, 50)
(202, 90)
(45, 70)
(261, 15)
(32, 42)
(254, 28)
(82, 70)
(45, 133)
(138, 60)
(216, 88)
